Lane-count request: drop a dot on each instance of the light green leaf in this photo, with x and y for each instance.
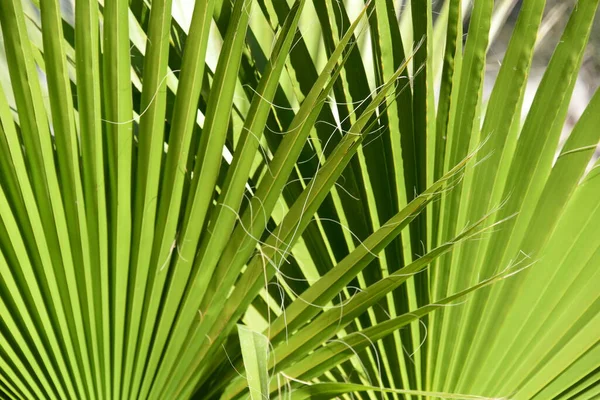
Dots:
(255, 351)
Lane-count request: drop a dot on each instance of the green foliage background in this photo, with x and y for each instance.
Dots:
(294, 199)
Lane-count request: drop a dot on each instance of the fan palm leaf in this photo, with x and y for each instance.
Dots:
(257, 198)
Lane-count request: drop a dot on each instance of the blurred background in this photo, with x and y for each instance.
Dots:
(556, 16)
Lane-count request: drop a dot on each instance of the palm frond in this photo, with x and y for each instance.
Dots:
(294, 199)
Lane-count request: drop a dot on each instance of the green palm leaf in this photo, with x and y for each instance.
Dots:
(293, 199)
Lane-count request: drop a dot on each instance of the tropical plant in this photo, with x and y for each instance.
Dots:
(293, 199)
